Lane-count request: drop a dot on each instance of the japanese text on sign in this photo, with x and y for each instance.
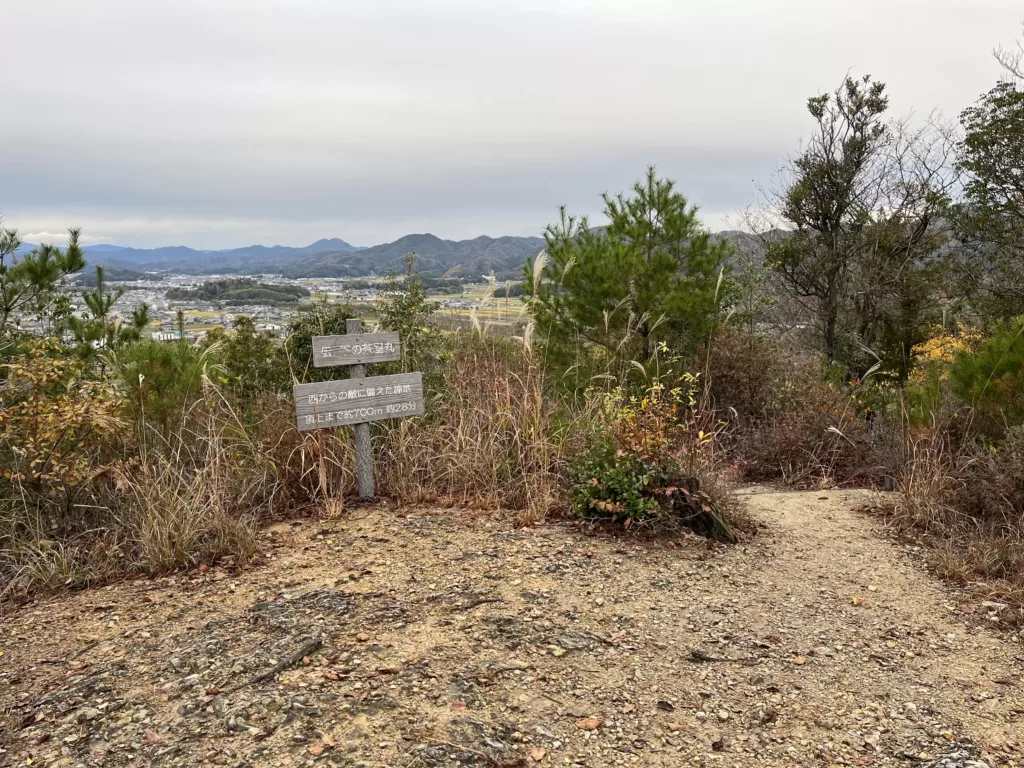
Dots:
(356, 349)
(353, 401)
(355, 394)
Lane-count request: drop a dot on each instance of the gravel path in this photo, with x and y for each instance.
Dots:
(445, 638)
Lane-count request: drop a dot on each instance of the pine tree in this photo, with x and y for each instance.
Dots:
(27, 282)
(99, 328)
(991, 218)
(653, 275)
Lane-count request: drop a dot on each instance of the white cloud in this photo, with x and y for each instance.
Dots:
(61, 238)
(223, 122)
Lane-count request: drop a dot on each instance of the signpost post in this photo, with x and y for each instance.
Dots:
(364, 451)
(359, 399)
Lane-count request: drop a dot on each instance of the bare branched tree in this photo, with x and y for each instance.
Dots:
(1012, 58)
(899, 283)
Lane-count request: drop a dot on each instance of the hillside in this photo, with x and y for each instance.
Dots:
(179, 256)
(240, 291)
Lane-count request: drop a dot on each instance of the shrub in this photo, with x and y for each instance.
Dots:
(643, 465)
(966, 502)
(404, 308)
(745, 374)
(254, 363)
(787, 421)
(161, 381)
(54, 421)
(320, 318)
(991, 378)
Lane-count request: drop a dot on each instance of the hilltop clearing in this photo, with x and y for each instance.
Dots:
(436, 637)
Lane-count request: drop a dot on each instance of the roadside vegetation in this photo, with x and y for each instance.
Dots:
(867, 329)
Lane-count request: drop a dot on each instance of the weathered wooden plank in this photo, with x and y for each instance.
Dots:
(355, 401)
(360, 432)
(356, 349)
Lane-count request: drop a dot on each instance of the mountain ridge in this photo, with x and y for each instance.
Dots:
(333, 257)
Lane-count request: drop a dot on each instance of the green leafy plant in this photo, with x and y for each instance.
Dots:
(642, 465)
(99, 328)
(254, 363)
(319, 318)
(404, 307)
(160, 380)
(653, 275)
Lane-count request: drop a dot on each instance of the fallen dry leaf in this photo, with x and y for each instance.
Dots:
(537, 753)
(328, 740)
(316, 749)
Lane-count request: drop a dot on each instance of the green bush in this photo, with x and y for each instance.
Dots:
(644, 462)
(320, 318)
(254, 362)
(627, 488)
(991, 378)
(610, 485)
(160, 380)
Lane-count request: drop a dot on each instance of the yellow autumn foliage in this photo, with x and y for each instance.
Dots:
(942, 348)
(52, 417)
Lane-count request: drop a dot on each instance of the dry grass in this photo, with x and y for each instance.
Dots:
(199, 492)
(197, 489)
(965, 504)
(786, 423)
(926, 485)
(488, 439)
(167, 501)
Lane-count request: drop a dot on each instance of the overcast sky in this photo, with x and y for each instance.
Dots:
(221, 123)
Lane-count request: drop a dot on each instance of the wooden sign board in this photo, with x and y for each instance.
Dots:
(355, 349)
(359, 400)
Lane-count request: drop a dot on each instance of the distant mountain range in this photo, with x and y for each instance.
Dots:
(504, 256)
(330, 257)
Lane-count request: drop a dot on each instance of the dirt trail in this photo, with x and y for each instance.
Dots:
(441, 638)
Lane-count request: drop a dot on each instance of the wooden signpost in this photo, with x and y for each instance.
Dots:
(359, 399)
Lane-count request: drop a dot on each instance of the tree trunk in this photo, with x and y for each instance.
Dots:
(830, 310)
